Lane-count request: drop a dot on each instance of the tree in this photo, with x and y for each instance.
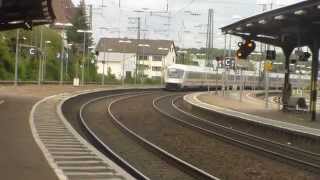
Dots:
(79, 22)
(28, 64)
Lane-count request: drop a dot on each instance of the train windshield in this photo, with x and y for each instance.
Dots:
(175, 73)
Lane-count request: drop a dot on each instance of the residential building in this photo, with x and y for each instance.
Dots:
(126, 57)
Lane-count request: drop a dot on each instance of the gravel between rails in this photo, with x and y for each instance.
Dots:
(147, 162)
(216, 157)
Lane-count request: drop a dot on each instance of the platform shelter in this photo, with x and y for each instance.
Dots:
(288, 27)
(25, 13)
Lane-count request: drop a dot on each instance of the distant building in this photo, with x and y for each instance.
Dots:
(64, 10)
(120, 55)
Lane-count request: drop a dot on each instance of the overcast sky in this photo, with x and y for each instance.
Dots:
(185, 28)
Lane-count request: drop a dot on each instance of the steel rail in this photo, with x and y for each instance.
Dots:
(189, 168)
(105, 148)
(242, 133)
(313, 166)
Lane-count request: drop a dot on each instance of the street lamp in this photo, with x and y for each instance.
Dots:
(103, 64)
(17, 59)
(143, 46)
(89, 62)
(84, 52)
(68, 57)
(43, 66)
(63, 26)
(123, 59)
(16, 73)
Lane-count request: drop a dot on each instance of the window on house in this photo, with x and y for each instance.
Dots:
(143, 57)
(156, 68)
(157, 58)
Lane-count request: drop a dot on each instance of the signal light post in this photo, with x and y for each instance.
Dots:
(245, 49)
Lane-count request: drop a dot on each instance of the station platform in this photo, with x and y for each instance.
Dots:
(21, 157)
(253, 109)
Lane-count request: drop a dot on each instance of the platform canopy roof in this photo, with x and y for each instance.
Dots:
(294, 26)
(25, 13)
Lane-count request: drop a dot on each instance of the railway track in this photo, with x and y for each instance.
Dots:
(104, 147)
(305, 159)
(145, 150)
(174, 161)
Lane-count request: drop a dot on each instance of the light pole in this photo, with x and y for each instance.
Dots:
(123, 59)
(104, 56)
(89, 61)
(40, 56)
(163, 65)
(17, 58)
(84, 52)
(63, 26)
(143, 46)
(44, 62)
(103, 64)
(16, 73)
(68, 58)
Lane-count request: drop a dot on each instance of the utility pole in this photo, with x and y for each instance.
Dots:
(139, 28)
(103, 62)
(83, 58)
(167, 7)
(40, 57)
(210, 35)
(137, 53)
(62, 57)
(230, 42)
(17, 59)
(266, 74)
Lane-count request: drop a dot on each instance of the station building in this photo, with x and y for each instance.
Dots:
(124, 56)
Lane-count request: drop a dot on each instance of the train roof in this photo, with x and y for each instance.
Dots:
(190, 68)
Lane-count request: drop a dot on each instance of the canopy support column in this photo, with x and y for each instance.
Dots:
(286, 93)
(314, 78)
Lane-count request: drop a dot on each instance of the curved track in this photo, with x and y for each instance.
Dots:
(167, 165)
(186, 167)
(305, 159)
(152, 148)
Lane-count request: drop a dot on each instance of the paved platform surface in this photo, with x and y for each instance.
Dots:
(20, 156)
(67, 152)
(253, 109)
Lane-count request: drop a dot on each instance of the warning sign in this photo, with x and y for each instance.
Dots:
(268, 66)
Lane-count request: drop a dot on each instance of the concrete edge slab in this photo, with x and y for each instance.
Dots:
(81, 139)
(194, 101)
(63, 98)
(46, 154)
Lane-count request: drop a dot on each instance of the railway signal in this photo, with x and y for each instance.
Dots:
(245, 49)
(302, 56)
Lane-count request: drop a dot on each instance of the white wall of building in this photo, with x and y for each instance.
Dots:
(123, 62)
(118, 62)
